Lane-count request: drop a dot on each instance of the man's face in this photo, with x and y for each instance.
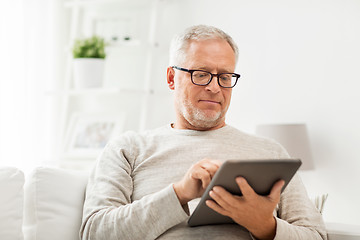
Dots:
(202, 107)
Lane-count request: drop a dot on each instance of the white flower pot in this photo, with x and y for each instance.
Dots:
(88, 72)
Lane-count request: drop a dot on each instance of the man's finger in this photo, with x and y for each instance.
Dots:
(202, 175)
(276, 189)
(245, 188)
(210, 167)
(217, 162)
(222, 197)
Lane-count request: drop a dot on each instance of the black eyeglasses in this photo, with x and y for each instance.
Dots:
(203, 78)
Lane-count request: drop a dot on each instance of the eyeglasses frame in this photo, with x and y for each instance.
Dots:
(211, 74)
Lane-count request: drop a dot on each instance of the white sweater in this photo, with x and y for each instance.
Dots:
(130, 193)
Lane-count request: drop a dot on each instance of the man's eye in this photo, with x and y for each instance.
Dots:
(200, 75)
(225, 77)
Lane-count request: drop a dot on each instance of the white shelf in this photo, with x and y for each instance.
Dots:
(125, 43)
(105, 91)
(84, 3)
(98, 91)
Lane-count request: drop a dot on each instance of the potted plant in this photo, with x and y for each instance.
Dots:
(89, 58)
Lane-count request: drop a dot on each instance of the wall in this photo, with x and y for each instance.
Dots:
(299, 62)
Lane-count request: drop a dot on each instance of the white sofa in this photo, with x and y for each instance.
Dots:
(48, 205)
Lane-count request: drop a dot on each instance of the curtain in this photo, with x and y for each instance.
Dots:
(26, 74)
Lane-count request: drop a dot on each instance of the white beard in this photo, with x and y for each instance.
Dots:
(196, 117)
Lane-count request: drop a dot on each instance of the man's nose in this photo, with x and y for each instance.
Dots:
(214, 86)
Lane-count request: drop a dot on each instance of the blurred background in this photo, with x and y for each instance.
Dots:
(299, 63)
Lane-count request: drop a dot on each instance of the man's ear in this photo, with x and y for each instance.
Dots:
(170, 75)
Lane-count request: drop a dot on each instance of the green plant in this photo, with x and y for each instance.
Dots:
(93, 47)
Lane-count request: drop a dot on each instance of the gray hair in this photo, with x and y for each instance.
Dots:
(180, 43)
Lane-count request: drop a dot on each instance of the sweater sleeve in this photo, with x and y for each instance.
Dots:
(298, 217)
(109, 212)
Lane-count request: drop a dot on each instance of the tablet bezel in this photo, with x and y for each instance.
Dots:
(261, 175)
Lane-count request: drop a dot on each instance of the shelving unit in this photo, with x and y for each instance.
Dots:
(96, 91)
(83, 24)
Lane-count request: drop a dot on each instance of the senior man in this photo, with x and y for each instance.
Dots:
(143, 183)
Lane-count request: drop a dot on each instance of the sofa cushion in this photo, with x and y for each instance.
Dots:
(53, 204)
(11, 203)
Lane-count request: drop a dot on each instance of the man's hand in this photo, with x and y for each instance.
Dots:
(196, 179)
(252, 211)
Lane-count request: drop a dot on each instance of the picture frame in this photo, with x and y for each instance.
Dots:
(88, 134)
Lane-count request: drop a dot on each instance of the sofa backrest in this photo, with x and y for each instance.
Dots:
(53, 204)
(11, 203)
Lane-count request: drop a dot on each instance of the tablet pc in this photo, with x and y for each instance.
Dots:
(260, 174)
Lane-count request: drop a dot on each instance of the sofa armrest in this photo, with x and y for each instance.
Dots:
(339, 231)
